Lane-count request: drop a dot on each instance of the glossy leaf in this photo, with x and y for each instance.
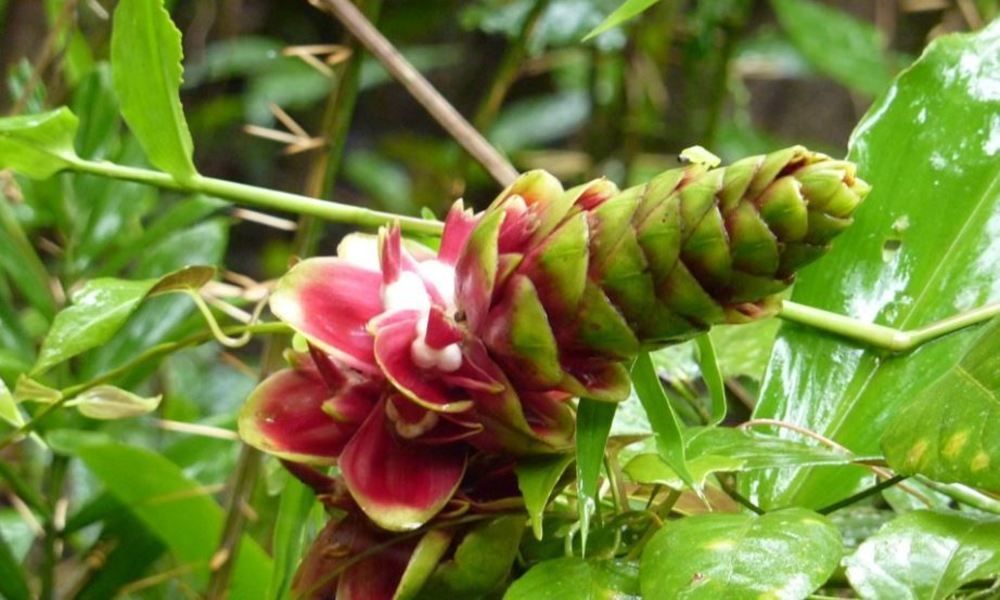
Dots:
(946, 432)
(537, 478)
(939, 261)
(481, 563)
(627, 10)
(837, 44)
(666, 426)
(146, 66)
(728, 450)
(573, 578)
(593, 424)
(926, 555)
(38, 145)
(782, 554)
(101, 307)
(175, 508)
(108, 402)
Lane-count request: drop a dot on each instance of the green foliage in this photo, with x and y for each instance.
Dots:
(663, 420)
(573, 578)
(926, 554)
(38, 145)
(783, 554)
(146, 62)
(943, 433)
(537, 478)
(481, 563)
(907, 261)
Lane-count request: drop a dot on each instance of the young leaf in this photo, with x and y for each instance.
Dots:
(941, 263)
(481, 562)
(38, 145)
(101, 307)
(9, 411)
(925, 554)
(593, 424)
(944, 434)
(573, 578)
(626, 11)
(146, 67)
(666, 426)
(741, 556)
(108, 402)
(536, 478)
(837, 44)
(176, 509)
(712, 374)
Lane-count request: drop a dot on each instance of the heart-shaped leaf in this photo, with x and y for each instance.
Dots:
(782, 554)
(926, 555)
(573, 578)
(923, 247)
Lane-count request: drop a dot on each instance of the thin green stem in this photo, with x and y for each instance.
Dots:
(880, 336)
(865, 493)
(260, 197)
(964, 494)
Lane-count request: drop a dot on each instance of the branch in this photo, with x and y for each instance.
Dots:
(415, 83)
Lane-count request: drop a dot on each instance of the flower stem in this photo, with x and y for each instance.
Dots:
(261, 197)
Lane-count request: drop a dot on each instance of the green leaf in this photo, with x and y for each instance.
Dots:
(536, 478)
(847, 49)
(945, 433)
(9, 410)
(712, 374)
(926, 555)
(729, 450)
(907, 261)
(289, 539)
(12, 583)
(108, 402)
(424, 560)
(22, 263)
(101, 307)
(146, 68)
(176, 509)
(573, 578)
(481, 562)
(593, 424)
(38, 145)
(782, 554)
(666, 426)
(627, 10)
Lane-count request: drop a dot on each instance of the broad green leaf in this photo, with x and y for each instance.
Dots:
(481, 563)
(666, 426)
(176, 509)
(728, 450)
(712, 374)
(946, 432)
(782, 554)
(101, 307)
(627, 10)
(593, 424)
(837, 44)
(12, 583)
(907, 261)
(926, 555)
(146, 67)
(38, 145)
(108, 402)
(573, 578)
(536, 478)
(424, 560)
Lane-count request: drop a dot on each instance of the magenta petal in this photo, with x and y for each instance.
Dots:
(284, 416)
(399, 485)
(458, 227)
(441, 329)
(425, 387)
(330, 302)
